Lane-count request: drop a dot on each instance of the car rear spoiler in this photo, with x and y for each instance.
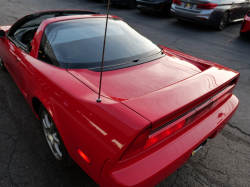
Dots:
(173, 101)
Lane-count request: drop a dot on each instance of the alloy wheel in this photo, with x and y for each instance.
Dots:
(51, 135)
(224, 20)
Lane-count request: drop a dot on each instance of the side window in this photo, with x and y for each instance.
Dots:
(46, 53)
(24, 30)
(24, 33)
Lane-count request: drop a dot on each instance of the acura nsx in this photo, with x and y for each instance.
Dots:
(158, 106)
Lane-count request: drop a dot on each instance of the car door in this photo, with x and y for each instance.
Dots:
(13, 52)
(17, 49)
(234, 9)
(242, 9)
(10, 56)
(237, 9)
(247, 7)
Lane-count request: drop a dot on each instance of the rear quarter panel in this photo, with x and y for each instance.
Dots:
(101, 130)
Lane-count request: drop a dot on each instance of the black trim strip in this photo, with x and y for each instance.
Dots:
(130, 64)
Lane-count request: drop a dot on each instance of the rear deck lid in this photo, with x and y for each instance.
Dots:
(136, 81)
(177, 98)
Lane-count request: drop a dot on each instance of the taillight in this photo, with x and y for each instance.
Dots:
(207, 6)
(177, 2)
(164, 133)
(203, 110)
(145, 140)
(138, 144)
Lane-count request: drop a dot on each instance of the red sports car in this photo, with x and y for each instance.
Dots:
(158, 106)
(245, 26)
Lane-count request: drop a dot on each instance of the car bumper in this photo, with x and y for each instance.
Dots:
(154, 7)
(151, 169)
(205, 17)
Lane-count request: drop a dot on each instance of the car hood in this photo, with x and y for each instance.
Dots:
(132, 82)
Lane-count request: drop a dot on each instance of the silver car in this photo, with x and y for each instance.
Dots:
(216, 13)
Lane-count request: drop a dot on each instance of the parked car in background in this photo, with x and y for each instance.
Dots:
(159, 7)
(216, 13)
(129, 3)
(158, 106)
(245, 26)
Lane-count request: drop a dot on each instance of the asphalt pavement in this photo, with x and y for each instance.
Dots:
(25, 158)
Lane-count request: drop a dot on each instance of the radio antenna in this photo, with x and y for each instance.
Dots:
(103, 52)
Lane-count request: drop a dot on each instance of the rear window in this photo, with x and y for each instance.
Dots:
(78, 44)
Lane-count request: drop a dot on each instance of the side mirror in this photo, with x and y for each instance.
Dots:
(2, 34)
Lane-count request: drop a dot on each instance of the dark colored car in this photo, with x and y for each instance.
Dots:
(216, 13)
(128, 3)
(245, 26)
(159, 7)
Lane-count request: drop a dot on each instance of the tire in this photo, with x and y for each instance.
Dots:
(243, 34)
(166, 11)
(132, 4)
(223, 21)
(54, 139)
(2, 65)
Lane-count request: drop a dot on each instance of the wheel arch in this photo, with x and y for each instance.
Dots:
(217, 13)
(36, 103)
